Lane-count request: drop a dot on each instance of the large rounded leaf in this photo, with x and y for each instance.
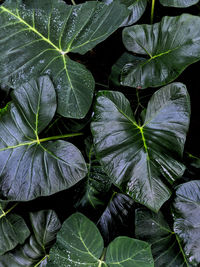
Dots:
(165, 245)
(170, 45)
(29, 166)
(137, 157)
(80, 243)
(13, 229)
(36, 37)
(187, 218)
(178, 3)
(45, 225)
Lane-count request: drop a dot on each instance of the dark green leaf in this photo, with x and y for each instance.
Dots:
(29, 166)
(178, 3)
(116, 218)
(121, 62)
(36, 38)
(154, 229)
(187, 218)
(137, 157)
(129, 252)
(34, 252)
(13, 229)
(136, 7)
(80, 243)
(171, 46)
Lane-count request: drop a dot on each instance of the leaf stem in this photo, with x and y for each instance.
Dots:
(152, 10)
(73, 2)
(8, 211)
(180, 246)
(46, 256)
(59, 136)
(103, 254)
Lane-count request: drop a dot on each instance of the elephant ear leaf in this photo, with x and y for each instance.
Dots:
(170, 46)
(45, 225)
(31, 166)
(186, 219)
(36, 38)
(77, 246)
(136, 157)
(165, 245)
(178, 3)
(13, 229)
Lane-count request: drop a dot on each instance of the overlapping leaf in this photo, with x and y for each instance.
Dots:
(137, 157)
(170, 45)
(77, 246)
(178, 3)
(136, 7)
(13, 229)
(116, 219)
(154, 229)
(29, 166)
(34, 252)
(36, 37)
(187, 219)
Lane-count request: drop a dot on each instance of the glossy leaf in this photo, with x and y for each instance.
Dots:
(13, 229)
(36, 38)
(30, 166)
(170, 45)
(77, 246)
(136, 7)
(137, 158)
(154, 229)
(121, 62)
(45, 225)
(186, 219)
(178, 3)
(98, 184)
(116, 219)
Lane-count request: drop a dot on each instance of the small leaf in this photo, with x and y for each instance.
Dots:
(187, 218)
(13, 229)
(34, 252)
(37, 36)
(137, 157)
(77, 246)
(154, 229)
(178, 3)
(29, 166)
(170, 45)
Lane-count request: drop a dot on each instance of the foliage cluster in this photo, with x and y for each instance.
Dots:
(95, 167)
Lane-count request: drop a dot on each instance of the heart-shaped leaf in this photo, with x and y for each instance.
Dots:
(178, 3)
(187, 219)
(136, 7)
(165, 245)
(37, 36)
(137, 157)
(29, 166)
(13, 229)
(170, 45)
(45, 225)
(77, 246)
